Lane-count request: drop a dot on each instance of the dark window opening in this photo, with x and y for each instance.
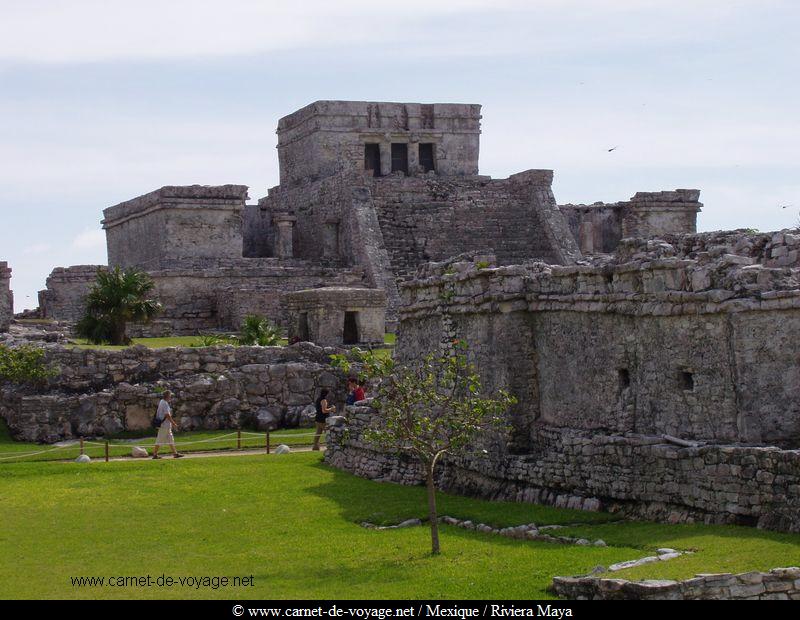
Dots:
(330, 240)
(426, 157)
(302, 327)
(372, 159)
(400, 157)
(687, 380)
(624, 378)
(350, 334)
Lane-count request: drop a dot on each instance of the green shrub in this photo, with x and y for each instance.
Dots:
(116, 298)
(482, 264)
(23, 364)
(258, 330)
(210, 340)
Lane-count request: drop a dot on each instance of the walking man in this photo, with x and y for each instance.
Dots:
(165, 437)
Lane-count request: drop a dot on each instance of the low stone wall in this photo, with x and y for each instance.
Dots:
(6, 300)
(780, 584)
(105, 392)
(646, 477)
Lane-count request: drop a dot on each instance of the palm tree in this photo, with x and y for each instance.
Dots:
(116, 298)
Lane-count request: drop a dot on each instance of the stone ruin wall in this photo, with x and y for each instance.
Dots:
(599, 227)
(433, 218)
(326, 138)
(779, 584)
(706, 340)
(392, 225)
(64, 299)
(174, 224)
(197, 300)
(319, 315)
(98, 392)
(6, 297)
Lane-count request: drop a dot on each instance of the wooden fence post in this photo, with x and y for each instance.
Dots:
(106, 452)
(82, 445)
(267, 442)
(239, 439)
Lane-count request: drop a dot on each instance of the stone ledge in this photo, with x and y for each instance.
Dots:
(777, 584)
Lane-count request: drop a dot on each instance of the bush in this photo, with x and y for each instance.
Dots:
(211, 340)
(23, 364)
(258, 330)
(117, 298)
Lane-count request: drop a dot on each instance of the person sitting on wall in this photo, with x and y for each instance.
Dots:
(352, 388)
(166, 424)
(323, 410)
(360, 393)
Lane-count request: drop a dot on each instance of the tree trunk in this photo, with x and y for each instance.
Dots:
(120, 338)
(432, 516)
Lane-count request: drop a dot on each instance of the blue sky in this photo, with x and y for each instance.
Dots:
(101, 101)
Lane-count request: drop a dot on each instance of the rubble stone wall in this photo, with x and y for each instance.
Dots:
(6, 298)
(105, 392)
(778, 584)
(201, 296)
(64, 299)
(599, 227)
(634, 475)
(613, 364)
(431, 219)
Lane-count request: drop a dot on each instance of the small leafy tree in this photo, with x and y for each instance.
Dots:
(258, 330)
(117, 298)
(429, 409)
(24, 364)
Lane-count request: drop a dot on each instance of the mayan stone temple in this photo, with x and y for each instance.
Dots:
(656, 368)
(368, 192)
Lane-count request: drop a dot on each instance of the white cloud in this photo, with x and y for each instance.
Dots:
(58, 31)
(90, 240)
(37, 248)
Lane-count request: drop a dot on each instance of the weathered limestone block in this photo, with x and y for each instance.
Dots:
(335, 316)
(6, 298)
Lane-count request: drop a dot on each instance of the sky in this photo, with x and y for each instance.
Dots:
(104, 100)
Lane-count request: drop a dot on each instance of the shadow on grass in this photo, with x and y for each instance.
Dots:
(386, 503)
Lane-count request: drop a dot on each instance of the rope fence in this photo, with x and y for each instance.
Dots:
(239, 441)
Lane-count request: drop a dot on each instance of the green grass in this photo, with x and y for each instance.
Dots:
(292, 523)
(289, 521)
(120, 445)
(716, 548)
(389, 338)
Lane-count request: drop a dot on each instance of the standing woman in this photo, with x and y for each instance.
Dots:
(322, 412)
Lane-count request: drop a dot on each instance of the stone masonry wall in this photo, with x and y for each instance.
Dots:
(6, 298)
(697, 348)
(611, 363)
(104, 392)
(779, 584)
(634, 475)
(431, 219)
(64, 299)
(202, 296)
(599, 227)
(175, 223)
(328, 137)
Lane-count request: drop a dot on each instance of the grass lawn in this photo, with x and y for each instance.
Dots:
(121, 445)
(292, 523)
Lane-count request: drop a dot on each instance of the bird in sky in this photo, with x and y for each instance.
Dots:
(785, 206)
(613, 148)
